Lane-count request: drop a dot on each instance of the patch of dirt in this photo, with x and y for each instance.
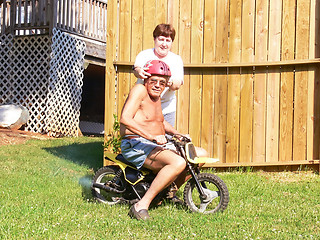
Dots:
(9, 136)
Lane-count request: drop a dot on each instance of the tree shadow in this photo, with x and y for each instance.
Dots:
(87, 154)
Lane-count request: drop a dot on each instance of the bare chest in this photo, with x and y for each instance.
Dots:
(150, 110)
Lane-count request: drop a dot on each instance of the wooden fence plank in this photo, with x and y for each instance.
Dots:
(316, 30)
(173, 18)
(246, 97)
(273, 84)
(161, 13)
(197, 31)
(301, 82)
(125, 32)
(210, 34)
(233, 105)
(173, 14)
(123, 87)
(209, 42)
(311, 142)
(124, 52)
(287, 81)
(260, 82)
(207, 108)
(182, 120)
(316, 137)
(196, 77)
(136, 33)
(149, 23)
(111, 42)
(220, 95)
(286, 114)
(195, 113)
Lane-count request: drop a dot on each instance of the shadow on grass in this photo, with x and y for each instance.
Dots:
(88, 154)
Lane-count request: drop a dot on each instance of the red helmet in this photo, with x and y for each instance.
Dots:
(157, 67)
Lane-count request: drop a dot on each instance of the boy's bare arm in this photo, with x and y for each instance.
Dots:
(169, 129)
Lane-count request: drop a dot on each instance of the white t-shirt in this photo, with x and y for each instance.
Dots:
(174, 61)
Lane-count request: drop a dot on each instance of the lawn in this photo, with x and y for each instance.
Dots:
(45, 194)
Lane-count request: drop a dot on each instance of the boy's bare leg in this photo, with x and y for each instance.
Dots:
(168, 165)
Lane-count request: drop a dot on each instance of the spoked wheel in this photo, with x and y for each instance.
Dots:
(216, 191)
(108, 177)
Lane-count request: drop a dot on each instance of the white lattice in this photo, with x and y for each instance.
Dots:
(24, 75)
(6, 47)
(44, 75)
(65, 87)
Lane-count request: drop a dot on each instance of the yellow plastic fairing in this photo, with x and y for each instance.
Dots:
(123, 166)
(193, 158)
(197, 160)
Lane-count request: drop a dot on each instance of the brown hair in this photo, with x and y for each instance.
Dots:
(166, 30)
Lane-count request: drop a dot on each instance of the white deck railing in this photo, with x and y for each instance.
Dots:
(87, 18)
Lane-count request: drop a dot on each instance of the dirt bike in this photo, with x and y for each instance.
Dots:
(123, 183)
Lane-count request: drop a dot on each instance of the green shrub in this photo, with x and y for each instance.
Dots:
(114, 139)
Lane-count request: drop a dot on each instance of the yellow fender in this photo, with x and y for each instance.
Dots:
(198, 160)
(193, 158)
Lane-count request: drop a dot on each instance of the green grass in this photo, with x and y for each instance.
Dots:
(44, 194)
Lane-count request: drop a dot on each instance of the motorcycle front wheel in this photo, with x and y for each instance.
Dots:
(107, 176)
(216, 191)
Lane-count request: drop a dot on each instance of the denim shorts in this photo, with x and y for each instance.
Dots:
(136, 150)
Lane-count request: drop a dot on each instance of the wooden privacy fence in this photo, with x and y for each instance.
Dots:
(251, 89)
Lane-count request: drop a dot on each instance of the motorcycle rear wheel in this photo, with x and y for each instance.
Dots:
(107, 176)
(216, 190)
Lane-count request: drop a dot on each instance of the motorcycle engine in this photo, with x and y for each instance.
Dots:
(142, 188)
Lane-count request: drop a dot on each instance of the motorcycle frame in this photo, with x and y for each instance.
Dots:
(187, 151)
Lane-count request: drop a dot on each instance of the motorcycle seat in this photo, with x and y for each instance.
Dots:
(121, 158)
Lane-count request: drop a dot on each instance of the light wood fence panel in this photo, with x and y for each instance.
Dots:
(136, 33)
(311, 85)
(251, 85)
(207, 106)
(233, 102)
(313, 152)
(301, 82)
(196, 87)
(260, 82)
(246, 81)
(183, 96)
(149, 22)
(287, 80)
(273, 82)
(221, 78)
(124, 50)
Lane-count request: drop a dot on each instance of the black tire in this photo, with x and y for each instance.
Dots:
(216, 188)
(104, 176)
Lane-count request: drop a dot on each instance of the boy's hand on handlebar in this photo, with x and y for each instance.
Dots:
(187, 136)
(160, 139)
(182, 137)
